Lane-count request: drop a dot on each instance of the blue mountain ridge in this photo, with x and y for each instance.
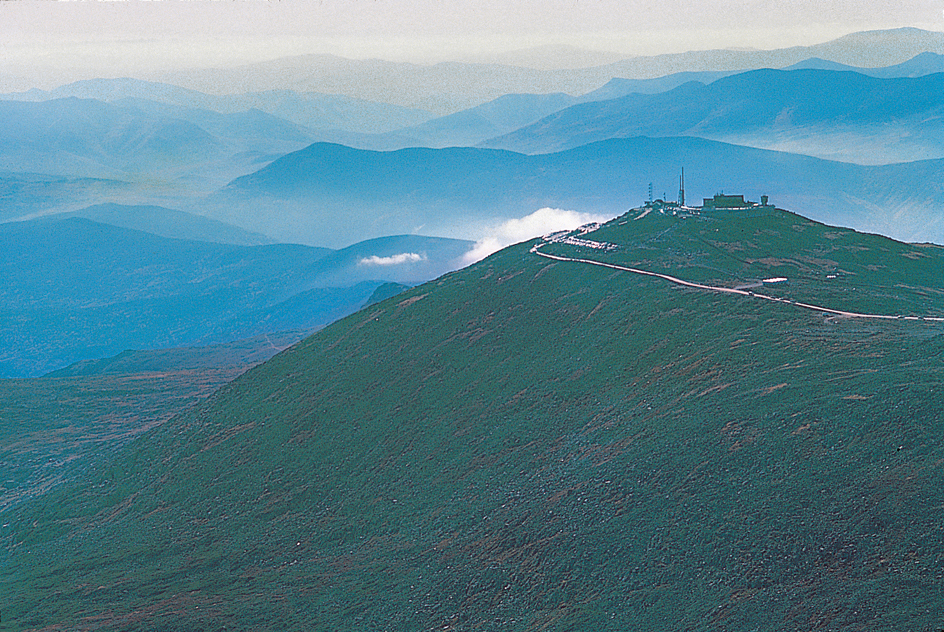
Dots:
(165, 222)
(447, 88)
(771, 101)
(459, 189)
(74, 289)
(309, 109)
(140, 140)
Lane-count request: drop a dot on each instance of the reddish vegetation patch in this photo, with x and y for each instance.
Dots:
(737, 435)
(597, 308)
(715, 389)
(737, 596)
(229, 433)
(911, 254)
(154, 616)
(510, 276)
(411, 300)
(601, 454)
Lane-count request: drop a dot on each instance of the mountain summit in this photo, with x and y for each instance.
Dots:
(560, 437)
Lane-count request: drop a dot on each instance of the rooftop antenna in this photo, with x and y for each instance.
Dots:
(682, 188)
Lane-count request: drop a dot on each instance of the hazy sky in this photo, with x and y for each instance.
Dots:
(148, 35)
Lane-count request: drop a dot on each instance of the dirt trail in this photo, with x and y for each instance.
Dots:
(536, 249)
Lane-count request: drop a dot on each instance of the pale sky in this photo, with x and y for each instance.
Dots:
(124, 37)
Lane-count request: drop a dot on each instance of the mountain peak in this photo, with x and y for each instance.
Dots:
(546, 443)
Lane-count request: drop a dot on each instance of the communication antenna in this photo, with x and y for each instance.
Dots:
(650, 192)
(682, 188)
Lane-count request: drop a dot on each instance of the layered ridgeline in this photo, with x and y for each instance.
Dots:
(74, 289)
(138, 150)
(532, 443)
(448, 87)
(328, 193)
(140, 141)
(843, 116)
(309, 109)
(166, 222)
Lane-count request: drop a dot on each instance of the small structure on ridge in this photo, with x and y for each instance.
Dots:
(722, 202)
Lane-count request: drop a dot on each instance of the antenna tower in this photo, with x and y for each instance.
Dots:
(681, 198)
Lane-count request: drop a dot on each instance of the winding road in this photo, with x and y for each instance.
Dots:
(536, 249)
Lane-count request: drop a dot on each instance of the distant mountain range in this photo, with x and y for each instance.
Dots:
(464, 191)
(247, 137)
(31, 194)
(620, 87)
(827, 113)
(328, 195)
(472, 126)
(920, 65)
(537, 444)
(165, 222)
(74, 289)
(339, 119)
(447, 88)
(312, 110)
(480, 125)
(88, 138)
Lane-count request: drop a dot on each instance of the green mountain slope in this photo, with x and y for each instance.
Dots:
(54, 427)
(530, 444)
(236, 357)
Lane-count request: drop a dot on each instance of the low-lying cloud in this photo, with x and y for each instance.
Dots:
(393, 260)
(538, 223)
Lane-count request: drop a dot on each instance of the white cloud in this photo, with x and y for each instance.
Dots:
(393, 260)
(538, 223)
